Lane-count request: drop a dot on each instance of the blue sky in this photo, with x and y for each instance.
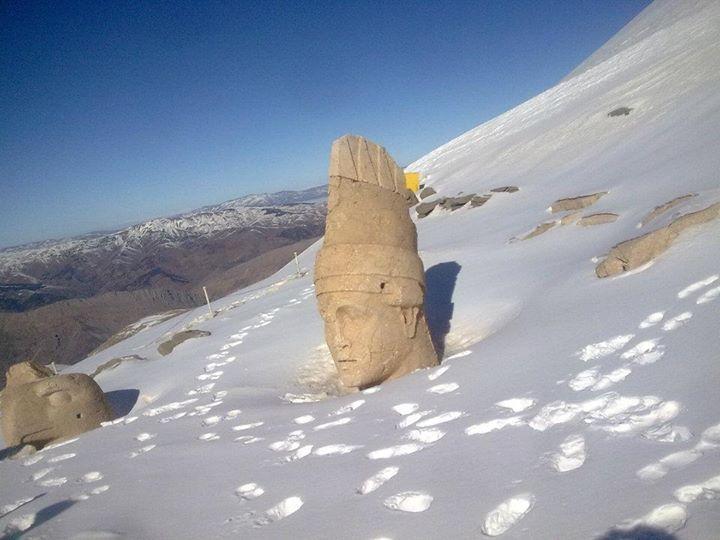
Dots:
(114, 112)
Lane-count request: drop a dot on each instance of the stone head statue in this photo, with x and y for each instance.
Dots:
(39, 407)
(369, 280)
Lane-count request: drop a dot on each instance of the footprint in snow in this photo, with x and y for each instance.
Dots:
(53, 482)
(652, 319)
(687, 291)
(372, 390)
(248, 439)
(584, 380)
(494, 425)
(212, 376)
(234, 413)
(396, 451)
(284, 446)
(507, 514)
(305, 419)
(603, 348)
(437, 372)
(212, 366)
(37, 475)
(378, 479)
(612, 378)
(443, 388)
(516, 405)
(89, 478)
(677, 321)
(61, 457)
(440, 419)
(349, 407)
(211, 420)
(571, 455)
(406, 408)
(249, 491)
(708, 296)
(141, 451)
(283, 509)
(340, 422)
(170, 418)
(207, 437)
(336, 449)
(169, 407)
(709, 440)
(142, 437)
(668, 517)
(32, 460)
(707, 490)
(409, 501)
(243, 427)
(425, 436)
(300, 453)
(458, 355)
(410, 419)
(645, 352)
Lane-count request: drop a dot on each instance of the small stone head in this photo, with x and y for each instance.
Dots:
(52, 408)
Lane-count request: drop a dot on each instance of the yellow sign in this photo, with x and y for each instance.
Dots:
(412, 180)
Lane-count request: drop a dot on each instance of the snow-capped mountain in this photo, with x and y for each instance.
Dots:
(262, 211)
(566, 407)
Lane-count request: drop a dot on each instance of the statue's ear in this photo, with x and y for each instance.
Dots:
(410, 318)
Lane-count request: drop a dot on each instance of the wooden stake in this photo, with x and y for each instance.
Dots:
(208, 302)
(297, 264)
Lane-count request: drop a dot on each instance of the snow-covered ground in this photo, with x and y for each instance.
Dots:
(566, 405)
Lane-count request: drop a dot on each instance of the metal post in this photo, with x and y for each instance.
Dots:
(208, 302)
(297, 264)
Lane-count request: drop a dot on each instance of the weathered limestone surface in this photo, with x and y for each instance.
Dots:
(39, 407)
(643, 249)
(658, 210)
(369, 280)
(540, 229)
(166, 347)
(597, 219)
(575, 203)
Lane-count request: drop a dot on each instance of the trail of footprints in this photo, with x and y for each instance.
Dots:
(610, 412)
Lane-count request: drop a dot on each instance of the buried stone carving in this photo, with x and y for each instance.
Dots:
(370, 282)
(39, 407)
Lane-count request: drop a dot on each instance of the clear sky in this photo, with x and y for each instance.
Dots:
(114, 112)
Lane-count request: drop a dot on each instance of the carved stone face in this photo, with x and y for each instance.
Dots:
(53, 408)
(369, 339)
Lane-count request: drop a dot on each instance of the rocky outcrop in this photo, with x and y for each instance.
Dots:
(505, 189)
(620, 111)
(576, 203)
(540, 229)
(166, 347)
(427, 192)
(369, 279)
(39, 407)
(597, 219)
(451, 203)
(638, 251)
(658, 210)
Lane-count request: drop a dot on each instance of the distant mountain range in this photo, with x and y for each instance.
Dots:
(46, 287)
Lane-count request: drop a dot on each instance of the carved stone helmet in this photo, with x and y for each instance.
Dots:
(369, 279)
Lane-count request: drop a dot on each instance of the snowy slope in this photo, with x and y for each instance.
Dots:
(565, 404)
